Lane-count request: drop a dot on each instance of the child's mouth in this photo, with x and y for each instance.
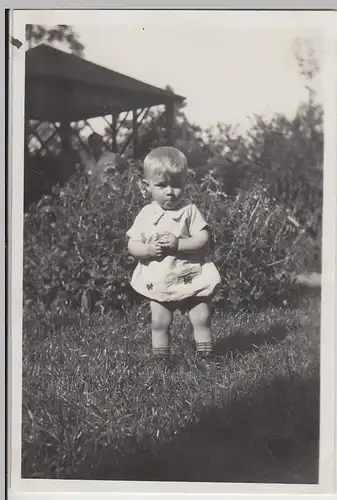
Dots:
(170, 203)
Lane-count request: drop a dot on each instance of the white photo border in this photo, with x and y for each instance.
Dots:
(29, 488)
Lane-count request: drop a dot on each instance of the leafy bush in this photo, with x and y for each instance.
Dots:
(284, 156)
(75, 245)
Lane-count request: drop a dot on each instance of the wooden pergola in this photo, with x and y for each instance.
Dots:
(62, 89)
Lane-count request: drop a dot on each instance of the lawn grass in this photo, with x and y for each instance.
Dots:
(94, 407)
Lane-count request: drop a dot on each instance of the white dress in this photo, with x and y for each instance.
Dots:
(172, 278)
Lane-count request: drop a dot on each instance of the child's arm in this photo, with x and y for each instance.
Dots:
(194, 243)
(141, 250)
(188, 245)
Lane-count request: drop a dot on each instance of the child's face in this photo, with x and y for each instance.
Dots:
(166, 189)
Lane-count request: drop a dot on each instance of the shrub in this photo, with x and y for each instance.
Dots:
(75, 245)
(284, 156)
(74, 250)
(261, 194)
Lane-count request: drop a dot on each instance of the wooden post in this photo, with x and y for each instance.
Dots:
(135, 133)
(170, 117)
(65, 134)
(66, 166)
(114, 119)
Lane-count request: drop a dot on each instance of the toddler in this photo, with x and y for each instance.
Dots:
(169, 238)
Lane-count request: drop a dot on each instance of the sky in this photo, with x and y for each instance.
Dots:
(228, 65)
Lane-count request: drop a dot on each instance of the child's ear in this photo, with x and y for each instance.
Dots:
(144, 187)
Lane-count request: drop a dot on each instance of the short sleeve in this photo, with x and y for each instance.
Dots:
(197, 222)
(136, 230)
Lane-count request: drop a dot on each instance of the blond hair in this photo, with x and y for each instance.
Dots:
(165, 159)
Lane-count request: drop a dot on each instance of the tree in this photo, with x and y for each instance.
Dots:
(61, 33)
(310, 113)
(307, 58)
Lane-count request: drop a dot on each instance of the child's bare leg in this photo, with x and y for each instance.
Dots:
(200, 317)
(161, 321)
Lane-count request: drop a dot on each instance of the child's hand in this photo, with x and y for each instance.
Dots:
(168, 241)
(155, 250)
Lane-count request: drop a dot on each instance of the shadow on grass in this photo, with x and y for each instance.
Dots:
(238, 343)
(271, 437)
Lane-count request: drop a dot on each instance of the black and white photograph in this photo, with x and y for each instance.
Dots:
(172, 246)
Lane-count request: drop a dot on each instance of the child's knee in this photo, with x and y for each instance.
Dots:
(200, 315)
(161, 318)
(160, 322)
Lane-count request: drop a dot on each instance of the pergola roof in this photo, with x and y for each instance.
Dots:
(64, 87)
